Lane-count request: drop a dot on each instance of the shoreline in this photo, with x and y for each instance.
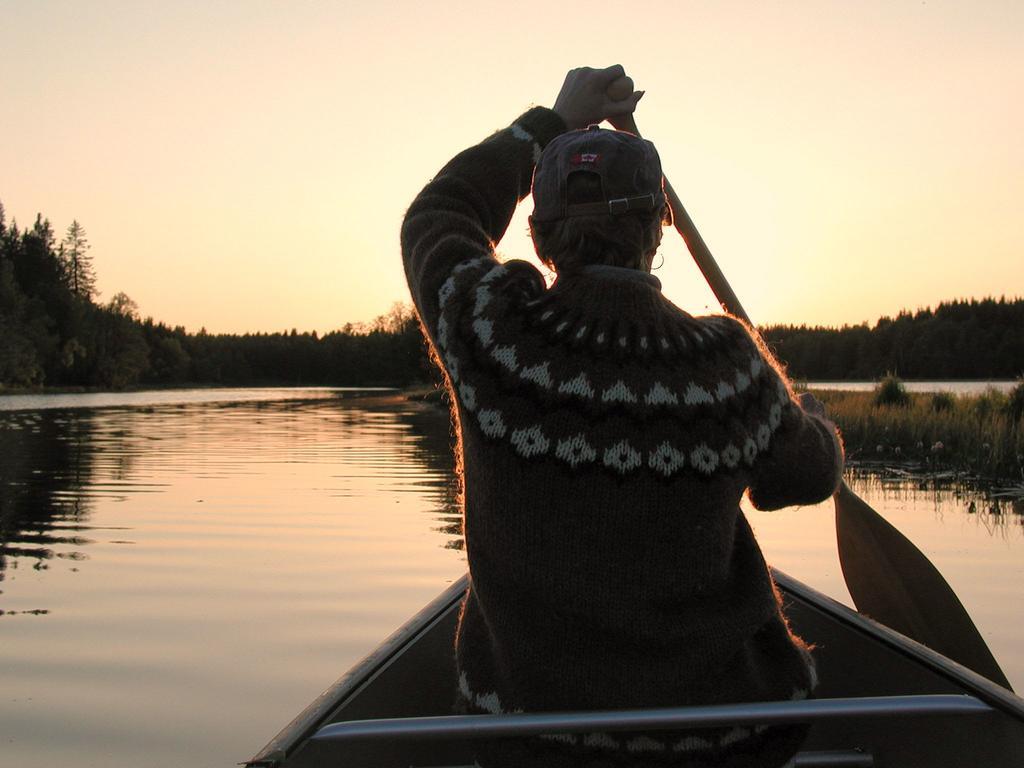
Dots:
(976, 435)
(79, 390)
(819, 385)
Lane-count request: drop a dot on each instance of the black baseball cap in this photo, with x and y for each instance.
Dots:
(628, 166)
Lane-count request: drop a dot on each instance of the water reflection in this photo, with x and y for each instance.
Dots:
(56, 465)
(999, 510)
(45, 464)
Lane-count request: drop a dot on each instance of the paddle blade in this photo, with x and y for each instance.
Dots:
(892, 581)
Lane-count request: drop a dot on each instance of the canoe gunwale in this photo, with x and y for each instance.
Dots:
(981, 687)
(312, 718)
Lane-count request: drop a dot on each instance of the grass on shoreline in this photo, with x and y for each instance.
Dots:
(982, 434)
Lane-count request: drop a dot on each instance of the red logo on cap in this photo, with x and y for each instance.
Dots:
(586, 157)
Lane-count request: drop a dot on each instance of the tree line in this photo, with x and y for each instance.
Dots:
(55, 333)
(962, 339)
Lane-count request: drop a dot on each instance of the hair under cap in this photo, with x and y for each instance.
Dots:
(628, 167)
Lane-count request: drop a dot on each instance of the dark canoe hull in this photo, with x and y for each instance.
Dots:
(412, 675)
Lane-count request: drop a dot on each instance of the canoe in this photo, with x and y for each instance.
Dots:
(883, 700)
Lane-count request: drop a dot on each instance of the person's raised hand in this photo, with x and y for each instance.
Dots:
(622, 90)
(585, 98)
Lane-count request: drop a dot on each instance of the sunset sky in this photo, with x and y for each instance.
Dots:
(246, 165)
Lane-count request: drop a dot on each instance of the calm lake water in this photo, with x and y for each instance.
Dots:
(181, 574)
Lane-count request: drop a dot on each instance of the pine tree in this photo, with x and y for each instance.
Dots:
(43, 231)
(78, 270)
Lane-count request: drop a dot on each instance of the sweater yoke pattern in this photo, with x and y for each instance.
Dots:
(545, 372)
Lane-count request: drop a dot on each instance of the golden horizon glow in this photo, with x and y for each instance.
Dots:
(245, 166)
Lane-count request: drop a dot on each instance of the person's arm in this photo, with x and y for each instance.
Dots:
(804, 460)
(804, 464)
(461, 215)
(464, 211)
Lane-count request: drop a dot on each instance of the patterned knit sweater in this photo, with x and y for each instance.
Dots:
(606, 439)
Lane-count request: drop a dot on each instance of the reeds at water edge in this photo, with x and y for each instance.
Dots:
(982, 434)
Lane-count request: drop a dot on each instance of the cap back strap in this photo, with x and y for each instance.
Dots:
(617, 206)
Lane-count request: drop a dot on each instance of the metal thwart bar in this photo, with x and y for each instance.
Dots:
(847, 758)
(760, 713)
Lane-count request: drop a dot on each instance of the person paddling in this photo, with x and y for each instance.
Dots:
(605, 439)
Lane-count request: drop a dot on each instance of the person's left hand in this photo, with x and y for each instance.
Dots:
(584, 98)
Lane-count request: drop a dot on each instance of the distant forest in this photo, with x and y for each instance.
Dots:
(974, 339)
(54, 333)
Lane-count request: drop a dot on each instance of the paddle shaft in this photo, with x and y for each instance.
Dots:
(889, 578)
(702, 256)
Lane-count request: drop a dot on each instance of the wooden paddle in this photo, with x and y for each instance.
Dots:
(889, 578)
